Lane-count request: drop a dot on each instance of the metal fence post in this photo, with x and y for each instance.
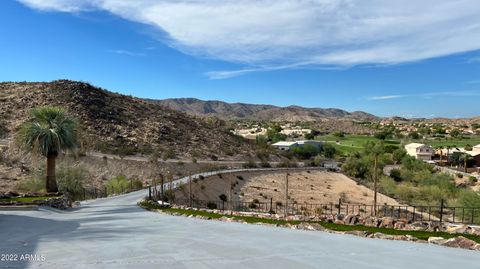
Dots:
(441, 210)
(149, 192)
(271, 204)
(339, 205)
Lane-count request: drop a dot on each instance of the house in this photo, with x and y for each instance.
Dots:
(420, 151)
(476, 148)
(288, 145)
(285, 145)
(475, 156)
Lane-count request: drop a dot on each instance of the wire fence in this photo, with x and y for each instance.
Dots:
(440, 213)
(87, 193)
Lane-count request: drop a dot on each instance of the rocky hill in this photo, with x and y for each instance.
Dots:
(116, 123)
(225, 110)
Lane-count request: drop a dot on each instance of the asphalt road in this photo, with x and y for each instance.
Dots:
(115, 233)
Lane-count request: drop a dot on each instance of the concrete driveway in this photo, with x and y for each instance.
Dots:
(115, 233)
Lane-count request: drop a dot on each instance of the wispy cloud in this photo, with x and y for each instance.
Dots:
(474, 60)
(284, 33)
(386, 97)
(473, 81)
(128, 53)
(427, 95)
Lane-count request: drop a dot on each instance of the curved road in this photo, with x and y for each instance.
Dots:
(115, 233)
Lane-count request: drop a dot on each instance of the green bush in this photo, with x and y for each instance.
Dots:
(71, 179)
(35, 184)
(121, 184)
(396, 174)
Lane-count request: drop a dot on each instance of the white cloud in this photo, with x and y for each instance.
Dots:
(386, 97)
(128, 53)
(285, 33)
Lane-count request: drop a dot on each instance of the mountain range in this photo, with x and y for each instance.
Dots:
(229, 111)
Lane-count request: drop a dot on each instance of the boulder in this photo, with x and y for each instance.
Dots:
(437, 240)
(458, 229)
(460, 242)
(351, 219)
(417, 226)
(387, 222)
(383, 236)
(399, 225)
(357, 233)
(372, 221)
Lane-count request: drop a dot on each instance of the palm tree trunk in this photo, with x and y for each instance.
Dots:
(375, 186)
(51, 182)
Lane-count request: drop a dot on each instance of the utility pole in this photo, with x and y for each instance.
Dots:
(286, 196)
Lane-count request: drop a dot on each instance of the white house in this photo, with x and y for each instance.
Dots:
(476, 148)
(420, 151)
(285, 145)
(288, 145)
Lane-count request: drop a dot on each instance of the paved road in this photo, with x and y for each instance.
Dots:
(115, 233)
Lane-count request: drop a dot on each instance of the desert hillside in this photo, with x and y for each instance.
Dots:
(121, 124)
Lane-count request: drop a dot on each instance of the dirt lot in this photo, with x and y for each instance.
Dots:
(304, 186)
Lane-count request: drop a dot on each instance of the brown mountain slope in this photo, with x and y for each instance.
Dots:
(117, 123)
(259, 112)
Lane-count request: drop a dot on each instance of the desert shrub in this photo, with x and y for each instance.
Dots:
(468, 198)
(117, 184)
(265, 164)
(201, 177)
(211, 205)
(472, 179)
(249, 164)
(169, 154)
(256, 200)
(202, 187)
(396, 174)
(223, 197)
(459, 175)
(388, 186)
(71, 179)
(240, 177)
(329, 150)
(278, 203)
(252, 205)
(35, 184)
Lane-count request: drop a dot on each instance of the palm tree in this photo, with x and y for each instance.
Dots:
(448, 147)
(466, 158)
(48, 132)
(440, 148)
(376, 151)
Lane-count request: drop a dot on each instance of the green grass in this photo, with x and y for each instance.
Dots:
(352, 143)
(27, 199)
(423, 235)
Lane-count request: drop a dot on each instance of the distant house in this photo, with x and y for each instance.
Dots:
(288, 145)
(285, 145)
(420, 151)
(475, 156)
(476, 148)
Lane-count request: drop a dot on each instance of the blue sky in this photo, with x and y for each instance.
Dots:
(387, 59)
